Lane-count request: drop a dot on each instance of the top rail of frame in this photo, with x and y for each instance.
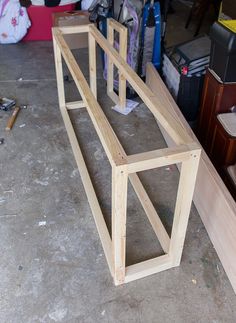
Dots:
(156, 106)
(110, 142)
(116, 25)
(73, 29)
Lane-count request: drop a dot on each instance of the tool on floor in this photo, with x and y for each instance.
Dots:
(1, 141)
(6, 104)
(12, 119)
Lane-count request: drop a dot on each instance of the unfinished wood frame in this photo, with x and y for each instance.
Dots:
(113, 25)
(186, 152)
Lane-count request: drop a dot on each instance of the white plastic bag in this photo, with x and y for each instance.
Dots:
(14, 21)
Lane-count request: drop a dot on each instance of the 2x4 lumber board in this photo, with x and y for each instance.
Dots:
(212, 199)
(177, 133)
(151, 213)
(110, 65)
(116, 26)
(75, 105)
(123, 53)
(147, 268)
(110, 142)
(85, 177)
(187, 180)
(73, 29)
(161, 157)
(90, 192)
(59, 75)
(92, 65)
(119, 208)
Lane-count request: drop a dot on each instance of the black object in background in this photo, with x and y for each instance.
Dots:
(190, 59)
(25, 3)
(78, 5)
(52, 3)
(189, 96)
(223, 52)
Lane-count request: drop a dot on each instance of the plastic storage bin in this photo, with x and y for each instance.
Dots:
(184, 68)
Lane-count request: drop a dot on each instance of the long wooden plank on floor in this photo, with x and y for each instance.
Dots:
(213, 201)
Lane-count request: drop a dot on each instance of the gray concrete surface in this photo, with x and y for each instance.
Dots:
(52, 267)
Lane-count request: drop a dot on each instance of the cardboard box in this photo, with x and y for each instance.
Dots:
(73, 18)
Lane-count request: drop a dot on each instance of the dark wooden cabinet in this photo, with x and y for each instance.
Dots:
(223, 150)
(223, 154)
(217, 98)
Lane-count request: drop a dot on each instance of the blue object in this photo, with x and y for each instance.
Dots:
(156, 56)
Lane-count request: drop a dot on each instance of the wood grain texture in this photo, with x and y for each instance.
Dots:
(85, 177)
(109, 140)
(92, 65)
(119, 206)
(186, 151)
(75, 105)
(213, 201)
(113, 25)
(151, 212)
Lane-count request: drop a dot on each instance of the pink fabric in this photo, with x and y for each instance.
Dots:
(41, 21)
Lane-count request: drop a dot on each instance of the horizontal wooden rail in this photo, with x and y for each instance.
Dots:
(117, 26)
(75, 105)
(73, 29)
(160, 157)
(148, 267)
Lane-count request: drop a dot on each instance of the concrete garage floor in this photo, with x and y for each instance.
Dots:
(52, 265)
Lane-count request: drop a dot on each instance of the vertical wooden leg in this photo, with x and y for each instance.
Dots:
(110, 65)
(92, 65)
(119, 205)
(183, 205)
(122, 80)
(59, 75)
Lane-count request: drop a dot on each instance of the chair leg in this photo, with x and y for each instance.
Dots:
(190, 15)
(204, 9)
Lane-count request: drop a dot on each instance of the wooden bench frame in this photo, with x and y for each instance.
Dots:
(124, 167)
